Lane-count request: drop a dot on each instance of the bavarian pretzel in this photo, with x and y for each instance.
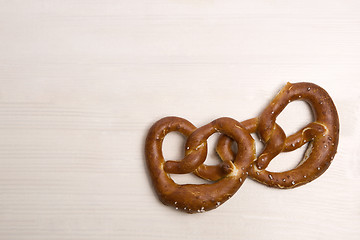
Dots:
(322, 135)
(227, 177)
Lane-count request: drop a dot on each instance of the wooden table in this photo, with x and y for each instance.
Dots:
(81, 82)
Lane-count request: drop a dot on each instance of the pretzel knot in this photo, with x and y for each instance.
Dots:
(226, 178)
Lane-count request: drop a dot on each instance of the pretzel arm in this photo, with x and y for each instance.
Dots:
(303, 136)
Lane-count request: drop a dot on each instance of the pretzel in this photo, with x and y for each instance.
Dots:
(322, 136)
(193, 198)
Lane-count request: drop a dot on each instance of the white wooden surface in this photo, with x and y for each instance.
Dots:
(82, 81)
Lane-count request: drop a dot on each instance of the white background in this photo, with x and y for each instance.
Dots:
(81, 82)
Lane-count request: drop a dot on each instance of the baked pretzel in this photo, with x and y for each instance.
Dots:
(322, 136)
(197, 197)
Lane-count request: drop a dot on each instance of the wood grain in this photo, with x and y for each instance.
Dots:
(82, 81)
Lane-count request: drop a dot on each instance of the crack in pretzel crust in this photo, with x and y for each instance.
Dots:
(322, 137)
